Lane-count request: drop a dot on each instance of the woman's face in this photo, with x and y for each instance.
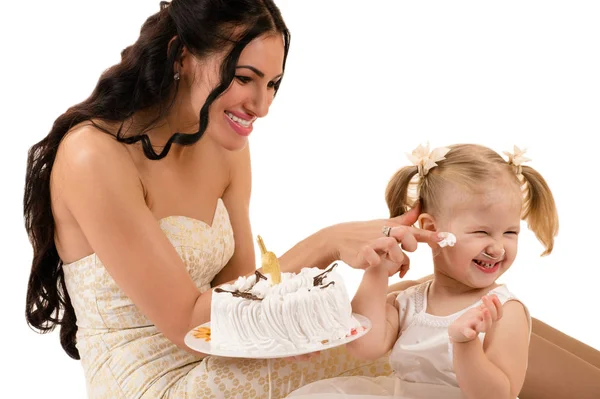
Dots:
(248, 98)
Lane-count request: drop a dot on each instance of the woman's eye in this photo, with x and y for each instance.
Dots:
(243, 79)
(274, 85)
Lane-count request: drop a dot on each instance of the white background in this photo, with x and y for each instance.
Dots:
(366, 82)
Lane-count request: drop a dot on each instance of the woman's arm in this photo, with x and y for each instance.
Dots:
(372, 301)
(97, 181)
(359, 244)
(314, 251)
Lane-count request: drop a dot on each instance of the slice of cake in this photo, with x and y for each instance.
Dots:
(256, 314)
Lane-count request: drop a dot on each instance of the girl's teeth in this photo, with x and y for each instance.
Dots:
(241, 121)
(486, 265)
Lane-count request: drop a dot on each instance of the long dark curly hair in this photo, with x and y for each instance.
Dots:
(143, 78)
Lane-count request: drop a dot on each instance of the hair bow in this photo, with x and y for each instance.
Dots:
(425, 160)
(517, 158)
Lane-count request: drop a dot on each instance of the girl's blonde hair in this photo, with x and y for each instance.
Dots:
(469, 166)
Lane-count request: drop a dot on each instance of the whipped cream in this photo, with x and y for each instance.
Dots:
(281, 317)
(448, 241)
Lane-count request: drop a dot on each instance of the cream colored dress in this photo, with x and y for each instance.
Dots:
(421, 358)
(124, 356)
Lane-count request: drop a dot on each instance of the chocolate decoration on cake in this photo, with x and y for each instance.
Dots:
(328, 284)
(246, 294)
(318, 279)
(240, 294)
(259, 276)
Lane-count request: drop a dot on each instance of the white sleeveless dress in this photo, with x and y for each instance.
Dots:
(125, 356)
(421, 358)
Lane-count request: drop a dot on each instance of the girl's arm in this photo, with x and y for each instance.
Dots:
(495, 368)
(371, 300)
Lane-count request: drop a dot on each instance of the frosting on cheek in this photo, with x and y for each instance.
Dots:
(448, 241)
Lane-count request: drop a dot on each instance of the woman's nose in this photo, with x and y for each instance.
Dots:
(260, 103)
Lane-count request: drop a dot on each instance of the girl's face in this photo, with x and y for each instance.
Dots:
(486, 227)
(248, 98)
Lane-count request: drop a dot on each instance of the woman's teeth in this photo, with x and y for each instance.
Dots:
(241, 121)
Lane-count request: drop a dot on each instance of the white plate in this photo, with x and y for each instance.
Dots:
(203, 346)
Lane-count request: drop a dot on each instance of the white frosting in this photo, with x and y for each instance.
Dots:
(291, 314)
(449, 239)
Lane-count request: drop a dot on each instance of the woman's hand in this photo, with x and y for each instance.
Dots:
(364, 244)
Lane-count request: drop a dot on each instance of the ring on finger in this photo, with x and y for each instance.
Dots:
(386, 230)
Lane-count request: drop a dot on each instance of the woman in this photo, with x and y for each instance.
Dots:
(136, 204)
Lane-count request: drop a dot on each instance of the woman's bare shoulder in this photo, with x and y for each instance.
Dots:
(87, 147)
(86, 142)
(89, 154)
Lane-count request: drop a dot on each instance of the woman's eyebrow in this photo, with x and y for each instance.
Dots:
(256, 71)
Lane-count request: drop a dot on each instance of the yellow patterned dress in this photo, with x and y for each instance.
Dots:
(124, 356)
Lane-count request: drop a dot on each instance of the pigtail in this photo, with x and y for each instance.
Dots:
(539, 208)
(397, 191)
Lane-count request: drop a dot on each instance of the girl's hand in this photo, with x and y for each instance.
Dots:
(476, 320)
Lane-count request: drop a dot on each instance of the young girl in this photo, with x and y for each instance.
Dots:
(460, 334)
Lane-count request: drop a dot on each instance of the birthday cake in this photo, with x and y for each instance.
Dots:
(281, 311)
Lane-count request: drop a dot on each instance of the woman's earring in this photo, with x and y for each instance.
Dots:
(176, 76)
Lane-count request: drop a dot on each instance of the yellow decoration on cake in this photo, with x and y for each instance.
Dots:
(202, 333)
(270, 263)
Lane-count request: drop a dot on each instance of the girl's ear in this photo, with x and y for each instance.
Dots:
(427, 222)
